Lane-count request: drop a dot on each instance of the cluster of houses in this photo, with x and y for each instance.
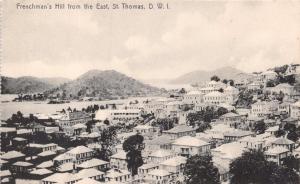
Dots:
(165, 152)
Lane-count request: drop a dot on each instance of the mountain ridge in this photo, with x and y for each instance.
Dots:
(199, 76)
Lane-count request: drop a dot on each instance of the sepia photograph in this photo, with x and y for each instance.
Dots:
(150, 91)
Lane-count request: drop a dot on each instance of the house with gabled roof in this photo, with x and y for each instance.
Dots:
(160, 142)
(159, 176)
(283, 142)
(146, 168)
(174, 165)
(118, 175)
(94, 163)
(236, 135)
(188, 146)
(13, 156)
(276, 154)
(180, 131)
(80, 154)
(160, 155)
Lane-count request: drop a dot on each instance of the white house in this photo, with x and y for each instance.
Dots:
(263, 108)
(180, 131)
(193, 97)
(72, 118)
(276, 154)
(215, 98)
(159, 176)
(231, 94)
(118, 176)
(174, 165)
(80, 154)
(295, 110)
(161, 155)
(118, 114)
(119, 160)
(188, 146)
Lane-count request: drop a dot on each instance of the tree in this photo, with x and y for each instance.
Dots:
(293, 136)
(133, 147)
(225, 81)
(106, 122)
(260, 127)
(279, 133)
(202, 126)
(182, 91)
(200, 170)
(252, 167)
(215, 78)
(205, 115)
(41, 138)
(107, 140)
(166, 123)
(291, 162)
(271, 83)
(89, 126)
(283, 175)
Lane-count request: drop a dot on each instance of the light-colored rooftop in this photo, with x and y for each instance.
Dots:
(194, 93)
(11, 155)
(24, 164)
(79, 126)
(79, 150)
(276, 150)
(4, 173)
(41, 172)
(282, 141)
(175, 161)
(88, 181)
(63, 157)
(88, 173)
(46, 153)
(161, 153)
(113, 173)
(159, 172)
(45, 164)
(214, 94)
(189, 141)
(180, 128)
(7, 129)
(119, 155)
(92, 163)
(230, 150)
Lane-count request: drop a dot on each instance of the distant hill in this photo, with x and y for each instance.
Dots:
(202, 76)
(55, 81)
(104, 84)
(28, 84)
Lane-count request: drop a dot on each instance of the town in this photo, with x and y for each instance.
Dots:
(222, 131)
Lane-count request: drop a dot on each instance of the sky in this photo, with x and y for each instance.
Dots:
(191, 35)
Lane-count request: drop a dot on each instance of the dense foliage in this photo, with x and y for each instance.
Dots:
(200, 170)
(252, 167)
(133, 147)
